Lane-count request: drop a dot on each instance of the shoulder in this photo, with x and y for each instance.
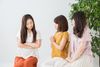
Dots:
(66, 33)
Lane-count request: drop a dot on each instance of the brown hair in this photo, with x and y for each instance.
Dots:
(62, 23)
(80, 23)
(24, 29)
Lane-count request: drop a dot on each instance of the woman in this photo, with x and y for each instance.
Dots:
(29, 41)
(81, 54)
(59, 43)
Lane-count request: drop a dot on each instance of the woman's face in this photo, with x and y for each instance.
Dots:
(56, 26)
(29, 24)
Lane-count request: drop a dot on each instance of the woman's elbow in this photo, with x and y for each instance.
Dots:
(20, 45)
(38, 45)
(60, 48)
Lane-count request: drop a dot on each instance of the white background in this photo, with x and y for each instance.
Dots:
(43, 12)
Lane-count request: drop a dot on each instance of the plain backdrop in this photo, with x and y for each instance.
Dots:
(43, 12)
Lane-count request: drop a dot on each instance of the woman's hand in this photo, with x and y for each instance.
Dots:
(52, 39)
(31, 45)
(68, 59)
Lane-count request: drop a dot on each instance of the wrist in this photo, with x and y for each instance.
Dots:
(32, 45)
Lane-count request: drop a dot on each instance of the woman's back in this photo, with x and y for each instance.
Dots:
(58, 37)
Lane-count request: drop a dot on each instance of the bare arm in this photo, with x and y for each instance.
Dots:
(37, 44)
(62, 43)
(23, 45)
(69, 54)
(79, 51)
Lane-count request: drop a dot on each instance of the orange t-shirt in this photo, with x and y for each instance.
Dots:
(56, 52)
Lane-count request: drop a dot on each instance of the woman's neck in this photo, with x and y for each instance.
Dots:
(29, 31)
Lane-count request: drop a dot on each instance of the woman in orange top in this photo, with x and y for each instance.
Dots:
(60, 42)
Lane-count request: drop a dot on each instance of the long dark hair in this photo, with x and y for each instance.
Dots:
(80, 23)
(62, 23)
(24, 28)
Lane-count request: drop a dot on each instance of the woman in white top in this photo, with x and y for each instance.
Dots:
(29, 41)
(81, 53)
